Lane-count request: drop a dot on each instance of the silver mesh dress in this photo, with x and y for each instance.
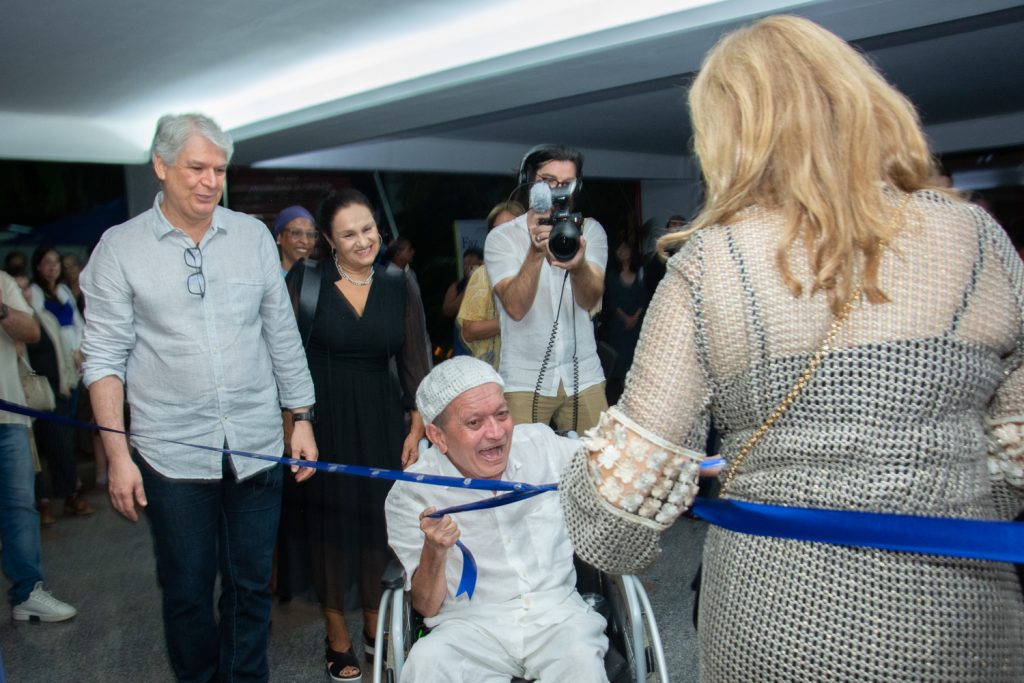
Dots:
(896, 419)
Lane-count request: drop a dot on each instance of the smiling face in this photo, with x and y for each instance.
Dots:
(354, 235)
(193, 183)
(475, 432)
(296, 239)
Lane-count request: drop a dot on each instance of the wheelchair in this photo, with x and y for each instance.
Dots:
(635, 653)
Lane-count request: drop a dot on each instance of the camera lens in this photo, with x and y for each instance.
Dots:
(564, 239)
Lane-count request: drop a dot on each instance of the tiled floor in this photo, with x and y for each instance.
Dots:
(103, 565)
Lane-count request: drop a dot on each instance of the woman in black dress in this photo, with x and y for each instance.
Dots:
(625, 299)
(365, 319)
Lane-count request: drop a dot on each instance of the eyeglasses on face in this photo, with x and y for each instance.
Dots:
(196, 282)
(554, 183)
(299, 233)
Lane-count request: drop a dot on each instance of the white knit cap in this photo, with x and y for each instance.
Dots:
(449, 379)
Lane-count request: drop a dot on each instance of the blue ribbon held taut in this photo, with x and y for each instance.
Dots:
(513, 491)
(968, 538)
(330, 467)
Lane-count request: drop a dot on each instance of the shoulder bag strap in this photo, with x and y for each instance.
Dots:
(805, 376)
(309, 297)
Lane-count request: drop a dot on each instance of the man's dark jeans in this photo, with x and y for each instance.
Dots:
(198, 528)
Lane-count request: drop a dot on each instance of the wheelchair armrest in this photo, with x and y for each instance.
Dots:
(394, 576)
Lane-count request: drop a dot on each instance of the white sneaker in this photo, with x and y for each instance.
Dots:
(41, 606)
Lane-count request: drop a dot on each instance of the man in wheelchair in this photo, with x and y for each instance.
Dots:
(525, 617)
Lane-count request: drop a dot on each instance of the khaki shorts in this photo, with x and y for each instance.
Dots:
(592, 402)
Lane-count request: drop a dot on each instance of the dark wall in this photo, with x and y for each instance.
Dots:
(35, 193)
(1004, 200)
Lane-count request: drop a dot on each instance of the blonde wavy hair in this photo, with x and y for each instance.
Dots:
(789, 117)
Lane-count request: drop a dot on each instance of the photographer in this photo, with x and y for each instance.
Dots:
(548, 269)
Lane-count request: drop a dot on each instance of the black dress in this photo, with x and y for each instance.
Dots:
(630, 298)
(360, 421)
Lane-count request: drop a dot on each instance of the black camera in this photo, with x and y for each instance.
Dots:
(564, 238)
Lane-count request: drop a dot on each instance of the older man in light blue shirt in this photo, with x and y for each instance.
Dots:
(187, 314)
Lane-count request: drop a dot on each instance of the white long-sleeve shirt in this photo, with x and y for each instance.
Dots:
(523, 553)
(202, 369)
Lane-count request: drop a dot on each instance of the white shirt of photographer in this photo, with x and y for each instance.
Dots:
(524, 342)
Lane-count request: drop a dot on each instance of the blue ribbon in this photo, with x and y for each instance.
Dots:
(354, 470)
(496, 501)
(972, 538)
(514, 491)
(467, 582)
(976, 539)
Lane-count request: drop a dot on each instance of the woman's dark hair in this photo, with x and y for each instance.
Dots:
(37, 257)
(635, 259)
(474, 251)
(542, 154)
(335, 202)
(399, 242)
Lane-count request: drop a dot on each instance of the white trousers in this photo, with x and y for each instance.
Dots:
(463, 650)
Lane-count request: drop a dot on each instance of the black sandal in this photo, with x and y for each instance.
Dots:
(369, 646)
(339, 661)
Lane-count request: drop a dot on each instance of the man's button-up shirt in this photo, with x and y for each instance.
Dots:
(201, 369)
(523, 552)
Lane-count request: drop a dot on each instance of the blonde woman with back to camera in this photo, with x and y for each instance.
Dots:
(818, 195)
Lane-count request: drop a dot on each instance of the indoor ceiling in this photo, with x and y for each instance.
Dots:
(454, 84)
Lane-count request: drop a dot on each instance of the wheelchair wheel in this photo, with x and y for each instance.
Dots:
(632, 629)
(396, 629)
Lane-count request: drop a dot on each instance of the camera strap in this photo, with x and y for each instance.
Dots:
(534, 417)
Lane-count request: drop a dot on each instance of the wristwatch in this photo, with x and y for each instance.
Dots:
(305, 416)
(4, 310)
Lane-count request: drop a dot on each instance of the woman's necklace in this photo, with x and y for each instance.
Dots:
(346, 276)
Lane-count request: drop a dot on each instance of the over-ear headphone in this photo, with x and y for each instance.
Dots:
(522, 178)
(525, 167)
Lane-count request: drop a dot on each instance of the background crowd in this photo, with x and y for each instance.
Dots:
(334, 317)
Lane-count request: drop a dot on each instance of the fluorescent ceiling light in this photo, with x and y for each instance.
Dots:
(404, 53)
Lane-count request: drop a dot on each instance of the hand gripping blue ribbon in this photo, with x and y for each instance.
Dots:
(354, 470)
(467, 582)
(513, 490)
(970, 538)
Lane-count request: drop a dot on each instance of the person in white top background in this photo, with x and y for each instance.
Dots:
(19, 520)
(548, 347)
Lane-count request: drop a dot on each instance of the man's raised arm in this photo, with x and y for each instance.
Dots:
(501, 256)
(429, 583)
